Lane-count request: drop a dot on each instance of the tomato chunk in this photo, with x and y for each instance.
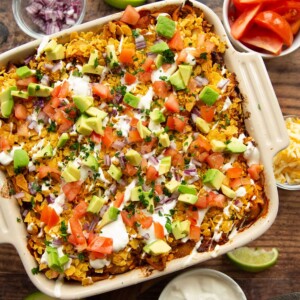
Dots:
(158, 230)
(176, 42)
(101, 244)
(126, 56)
(195, 232)
(77, 237)
(49, 216)
(20, 111)
(72, 189)
(130, 15)
(172, 104)
(80, 209)
(254, 171)
(102, 91)
(151, 174)
(129, 78)
(160, 88)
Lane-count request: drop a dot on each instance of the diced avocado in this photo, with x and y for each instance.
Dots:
(186, 143)
(150, 202)
(63, 260)
(24, 72)
(57, 53)
(202, 125)
(213, 178)
(45, 152)
(83, 102)
(20, 94)
(63, 140)
(159, 60)
(159, 47)
(181, 229)
(217, 146)
(164, 165)
(133, 157)
(111, 56)
(177, 81)
(157, 247)
(115, 172)
(208, 95)
(187, 189)
(7, 101)
(185, 72)
(50, 46)
(165, 27)
(164, 140)
(157, 116)
(71, 173)
(39, 90)
(172, 185)
(92, 66)
(143, 130)
(109, 216)
(235, 146)
(39, 296)
(95, 204)
(91, 162)
(131, 100)
(21, 158)
(53, 259)
(96, 112)
(96, 124)
(82, 127)
(135, 193)
(188, 198)
(228, 191)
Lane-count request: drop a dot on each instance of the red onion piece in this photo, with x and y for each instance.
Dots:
(103, 210)
(113, 188)
(122, 161)
(58, 66)
(223, 83)
(43, 117)
(201, 81)
(93, 223)
(118, 145)
(107, 160)
(154, 160)
(196, 163)
(146, 236)
(140, 42)
(25, 212)
(196, 111)
(19, 195)
(56, 242)
(45, 80)
(190, 172)
(117, 98)
(194, 117)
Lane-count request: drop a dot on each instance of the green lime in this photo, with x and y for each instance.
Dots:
(123, 3)
(253, 259)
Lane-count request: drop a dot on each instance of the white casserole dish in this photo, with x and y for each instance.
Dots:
(265, 124)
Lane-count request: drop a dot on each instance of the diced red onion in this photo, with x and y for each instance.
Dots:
(103, 210)
(194, 117)
(190, 172)
(107, 160)
(122, 182)
(19, 195)
(196, 163)
(114, 112)
(122, 161)
(56, 242)
(93, 223)
(196, 111)
(43, 117)
(117, 98)
(58, 66)
(48, 66)
(113, 188)
(118, 145)
(140, 42)
(153, 160)
(31, 168)
(146, 236)
(27, 60)
(238, 203)
(25, 212)
(50, 199)
(45, 80)
(177, 177)
(201, 81)
(223, 83)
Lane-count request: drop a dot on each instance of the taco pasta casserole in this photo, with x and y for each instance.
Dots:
(127, 147)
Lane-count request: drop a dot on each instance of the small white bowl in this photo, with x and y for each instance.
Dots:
(202, 284)
(243, 48)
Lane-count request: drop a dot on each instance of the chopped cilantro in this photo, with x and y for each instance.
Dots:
(96, 62)
(35, 271)
(168, 225)
(39, 75)
(63, 230)
(18, 220)
(119, 132)
(81, 256)
(148, 139)
(135, 33)
(168, 56)
(203, 55)
(52, 127)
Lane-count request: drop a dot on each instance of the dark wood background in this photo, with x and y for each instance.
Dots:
(284, 234)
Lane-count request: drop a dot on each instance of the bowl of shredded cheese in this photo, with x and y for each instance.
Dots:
(286, 163)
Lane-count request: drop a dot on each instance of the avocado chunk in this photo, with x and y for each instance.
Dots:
(176, 81)
(181, 229)
(50, 46)
(235, 146)
(71, 173)
(24, 72)
(217, 146)
(96, 112)
(95, 204)
(21, 158)
(157, 116)
(109, 216)
(164, 140)
(39, 296)
(202, 125)
(93, 66)
(131, 100)
(135, 193)
(115, 172)
(96, 124)
(111, 56)
(91, 162)
(228, 191)
(82, 127)
(83, 102)
(133, 157)
(39, 90)
(172, 185)
(57, 53)
(45, 152)
(20, 94)
(213, 178)
(187, 189)
(185, 72)
(143, 130)
(159, 61)
(165, 27)
(208, 95)
(164, 165)
(159, 47)
(157, 247)
(188, 198)
(53, 259)
(186, 143)
(7, 101)
(63, 140)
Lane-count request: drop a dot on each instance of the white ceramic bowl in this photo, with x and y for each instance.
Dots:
(243, 48)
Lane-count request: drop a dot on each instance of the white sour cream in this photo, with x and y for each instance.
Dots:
(58, 203)
(251, 154)
(99, 263)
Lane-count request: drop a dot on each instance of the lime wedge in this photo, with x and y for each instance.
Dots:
(253, 259)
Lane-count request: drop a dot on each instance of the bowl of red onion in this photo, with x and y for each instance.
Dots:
(38, 18)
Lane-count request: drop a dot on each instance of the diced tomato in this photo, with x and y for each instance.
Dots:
(158, 230)
(237, 182)
(49, 110)
(49, 216)
(216, 200)
(192, 214)
(234, 172)
(101, 244)
(108, 137)
(22, 130)
(147, 147)
(133, 122)
(77, 237)
(59, 116)
(177, 157)
(96, 255)
(201, 156)
(145, 221)
(254, 171)
(127, 218)
(144, 164)
(134, 136)
(55, 102)
(4, 144)
(130, 170)
(25, 81)
(20, 111)
(119, 199)
(70, 109)
(65, 126)
(161, 88)
(72, 189)
(195, 233)
(129, 78)
(148, 65)
(202, 202)
(130, 15)
(172, 104)
(170, 122)
(102, 91)
(215, 160)
(64, 90)
(180, 123)
(295, 26)
(158, 189)
(276, 23)
(45, 171)
(181, 56)
(55, 91)
(201, 144)
(126, 56)
(151, 174)
(80, 209)
(95, 137)
(207, 112)
(176, 42)
(145, 76)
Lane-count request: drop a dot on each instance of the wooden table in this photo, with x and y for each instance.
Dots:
(284, 233)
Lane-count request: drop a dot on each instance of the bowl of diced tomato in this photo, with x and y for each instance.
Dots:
(268, 27)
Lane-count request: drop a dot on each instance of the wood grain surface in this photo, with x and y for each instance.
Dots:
(284, 234)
